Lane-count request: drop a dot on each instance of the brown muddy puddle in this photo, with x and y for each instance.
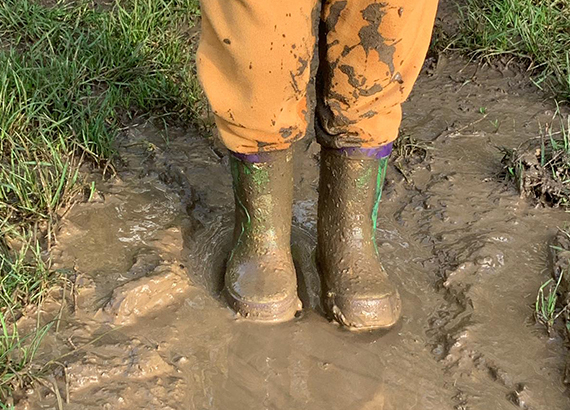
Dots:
(151, 331)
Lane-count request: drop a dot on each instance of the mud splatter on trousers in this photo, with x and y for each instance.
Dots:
(257, 58)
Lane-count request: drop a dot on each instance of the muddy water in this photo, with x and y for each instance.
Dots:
(148, 329)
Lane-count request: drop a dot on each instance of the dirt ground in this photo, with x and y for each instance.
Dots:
(147, 328)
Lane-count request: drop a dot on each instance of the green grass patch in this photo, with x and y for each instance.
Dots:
(536, 32)
(71, 74)
(67, 73)
(24, 274)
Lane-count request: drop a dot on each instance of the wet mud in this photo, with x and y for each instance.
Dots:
(147, 328)
(538, 173)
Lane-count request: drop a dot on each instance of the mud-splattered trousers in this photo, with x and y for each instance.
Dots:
(257, 57)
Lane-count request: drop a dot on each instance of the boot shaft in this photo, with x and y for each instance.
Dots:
(350, 189)
(263, 193)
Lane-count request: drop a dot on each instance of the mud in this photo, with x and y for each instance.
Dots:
(148, 328)
(371, 39)
(539, 174)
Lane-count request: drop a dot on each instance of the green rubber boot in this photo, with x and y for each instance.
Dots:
(260, 280)
(356, 289)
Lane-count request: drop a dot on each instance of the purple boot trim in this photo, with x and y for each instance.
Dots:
(263, 157)
(252, 158)
(383, 151)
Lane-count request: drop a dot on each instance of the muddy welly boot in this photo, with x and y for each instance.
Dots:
(260, 280)
(356, 289)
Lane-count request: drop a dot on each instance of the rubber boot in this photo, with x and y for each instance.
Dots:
(356, 289)
(260, 280)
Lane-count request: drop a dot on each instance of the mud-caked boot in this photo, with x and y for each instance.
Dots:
(260, 280)
(356, 289)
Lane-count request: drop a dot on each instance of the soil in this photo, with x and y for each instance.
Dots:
(147, 328)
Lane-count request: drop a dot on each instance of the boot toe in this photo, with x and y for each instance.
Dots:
(263, 309)
(366, 313)
(263, 294)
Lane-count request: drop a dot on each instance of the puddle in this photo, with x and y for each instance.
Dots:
(466, 252)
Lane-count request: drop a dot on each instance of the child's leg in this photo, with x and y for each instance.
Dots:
(373, 53)
(254, 64)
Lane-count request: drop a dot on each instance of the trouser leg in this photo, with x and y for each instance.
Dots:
(254, 64)
(371, 55)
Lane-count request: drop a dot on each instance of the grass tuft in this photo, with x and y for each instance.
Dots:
(24, 274)
(546, 309)
(535, 32)
(540, 167)
(17, 354)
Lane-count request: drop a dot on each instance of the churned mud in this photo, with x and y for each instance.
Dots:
(147, 329)
(535, 180)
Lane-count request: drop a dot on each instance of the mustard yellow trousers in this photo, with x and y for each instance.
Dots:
(257, 58)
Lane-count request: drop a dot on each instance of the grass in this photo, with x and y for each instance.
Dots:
(17, 354)
(540, 167)
(546, 308)
(24, 274)
(535, 32)
(71, 74)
